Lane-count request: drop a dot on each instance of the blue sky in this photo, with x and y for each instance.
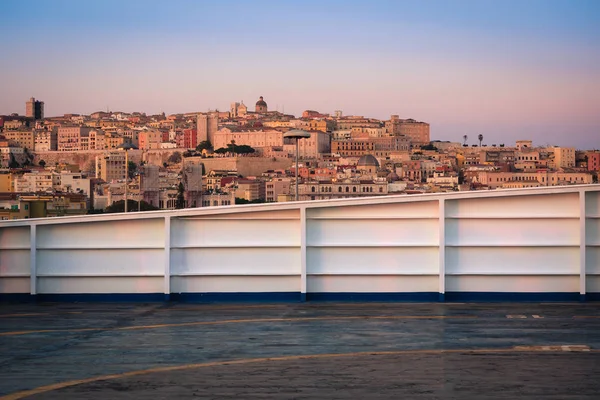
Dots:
(506, 69)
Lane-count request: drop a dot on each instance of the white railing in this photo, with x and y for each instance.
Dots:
(535, 243)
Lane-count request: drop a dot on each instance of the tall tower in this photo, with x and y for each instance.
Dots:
(34, 109)
(233, 110)
(202, 128)
(207, 125)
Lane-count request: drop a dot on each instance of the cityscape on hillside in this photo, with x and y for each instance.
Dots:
(78, 164)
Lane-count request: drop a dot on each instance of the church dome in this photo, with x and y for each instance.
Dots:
(368, 161)
(261, 102)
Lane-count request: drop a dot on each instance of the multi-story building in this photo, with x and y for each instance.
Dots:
(34, 182)
(494, 179)
(150, 139)
(318, 143)
(317, 190)
(379, 147)
(496, 156)
(22, 138)
(323, 125)
(417, 132)
(564, 157)
(28, 205)
(69, 138)
(276, 187)
(111, 141)
(132, 136)
(349, 122)
(593, 160)
(111, 166)
(34, 109)
(250, 189)
(218, 199)
(189, 139)
(46, 140)
(254, 138)
(6, 182)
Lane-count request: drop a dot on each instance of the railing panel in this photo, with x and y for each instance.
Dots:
(512, 232)
(204, 232)
(14, 237)
(235, 284)
(512, 260)
(371, 284)
(370, 260)
(416, 209)
(593, 260)
(15, 259)
(114, 262)
(141, 233)
(372, 232)
(592, 227)
(100, 285)
(14, 285)
(507, 206)
(513, 284)
(232, 261)
(592, 204)
(14, 262)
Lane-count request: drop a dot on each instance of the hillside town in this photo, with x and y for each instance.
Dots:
(82, 164)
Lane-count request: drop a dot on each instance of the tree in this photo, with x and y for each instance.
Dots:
(480, 137)
(429, 146)
(465, 137)
(180, 203)
(222, 150)
(175, 158)
(132, 169)
(241, 200)
(13, 163)
(204, 145)
(42, 163)
(243, 149)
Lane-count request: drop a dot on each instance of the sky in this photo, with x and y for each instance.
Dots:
(509, 70)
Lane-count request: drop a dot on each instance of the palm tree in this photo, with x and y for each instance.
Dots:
(465, 137)
(480, 137)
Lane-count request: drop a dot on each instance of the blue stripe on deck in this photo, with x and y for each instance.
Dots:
(295, 297)
(511, 297)
(344, 296)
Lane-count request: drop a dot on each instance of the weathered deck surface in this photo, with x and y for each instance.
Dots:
(308, 350)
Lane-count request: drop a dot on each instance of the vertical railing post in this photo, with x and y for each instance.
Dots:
(33, 260)
(582, 246)
(442, 249)
(167, 259)
(302, 253)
